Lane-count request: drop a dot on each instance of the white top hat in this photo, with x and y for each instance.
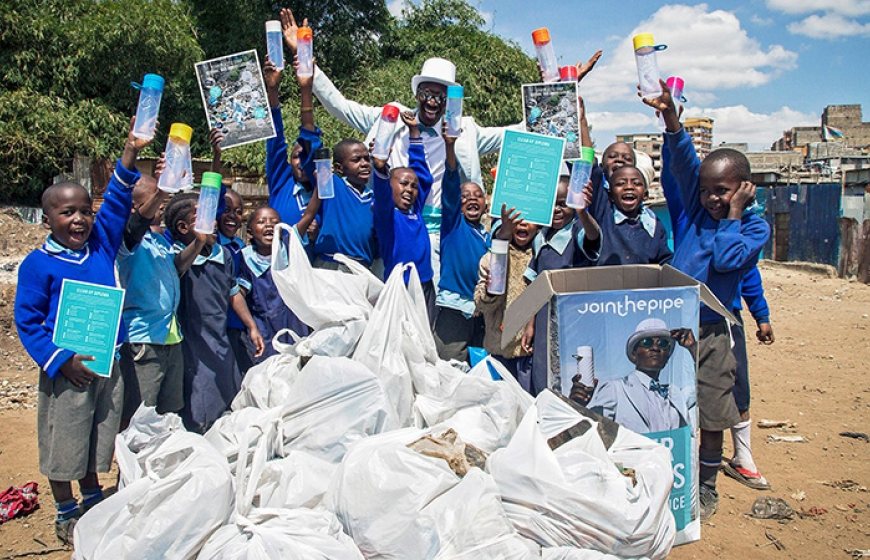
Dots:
(438, 70)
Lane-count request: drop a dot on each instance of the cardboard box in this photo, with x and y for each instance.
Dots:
(622, 340)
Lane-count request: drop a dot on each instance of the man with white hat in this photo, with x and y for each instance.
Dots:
(641, 401)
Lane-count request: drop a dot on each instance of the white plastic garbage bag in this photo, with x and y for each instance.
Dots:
(146, 432)
(269, 383)
(576, 495)
(184, 495)
(567, 553)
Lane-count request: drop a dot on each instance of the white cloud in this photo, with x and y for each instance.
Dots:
(761, 21)
(844, 7)
(395, 7)
(709, 49)
(760, 130)
(621, 122)
(828, 26)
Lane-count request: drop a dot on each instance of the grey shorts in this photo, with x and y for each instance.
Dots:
(154, 375)
(76, 426)
(717, 409)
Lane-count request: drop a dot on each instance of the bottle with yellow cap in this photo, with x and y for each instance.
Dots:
(177, 173)
(305, 51)
(546, 54)
(645, 49)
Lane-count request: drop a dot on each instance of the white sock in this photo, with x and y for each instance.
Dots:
(740, 434)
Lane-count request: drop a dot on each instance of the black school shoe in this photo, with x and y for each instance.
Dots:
(709, 501)
(64, 528)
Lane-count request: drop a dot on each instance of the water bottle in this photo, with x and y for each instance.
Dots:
(150, 93)
(676, 85)
(386, 128)
(323, 171)
(585, 365)
(275, 43)
(568, 74)
(453, 112)
(305, 51)
(647, 68)
(546, 54)
(206, 207)
(498, 264)
(176, 174)
(580, 174)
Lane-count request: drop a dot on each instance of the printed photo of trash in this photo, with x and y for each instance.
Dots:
(552, 109)
(234, 97)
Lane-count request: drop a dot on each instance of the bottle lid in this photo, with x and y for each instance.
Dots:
(676, 83)
(455, 92)
(493, 171)
(541, 36)
(587, 154)
(568, 73)
(273, 25)
(500, 246)
(390, 113)
(153, 81)
(180, 131)
(304, 33)
(642, 40)
(211, 180)
(322, 153)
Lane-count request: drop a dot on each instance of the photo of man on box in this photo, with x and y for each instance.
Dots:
(641, 401)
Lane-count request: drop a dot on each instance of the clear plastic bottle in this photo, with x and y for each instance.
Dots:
(275, 43)
(175, 173)
(453, 111)
(648, 76)
(206, 207)
(305, 51)
(323, 171)
(568, 74)
(386, 128)
(546, 54)
(580, 174)
(150, 94)
(676, 85)
(498, 264)
(585, 365)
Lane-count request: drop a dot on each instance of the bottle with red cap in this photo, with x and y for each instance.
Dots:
(568, 74)
(386, 127)
(305, 51)
(546, 54)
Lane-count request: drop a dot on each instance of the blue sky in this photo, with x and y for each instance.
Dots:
(756, 67)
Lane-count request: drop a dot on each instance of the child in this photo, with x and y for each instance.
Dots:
(345, 220)
(151, 360)
(398, 212)
(516, 357)
(211, 374)
(742, 465)
(464, 241)
(255, 279)
(722, 242)
(78, 411)
(569, 242)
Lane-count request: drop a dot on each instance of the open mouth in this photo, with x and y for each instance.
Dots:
(521, 236)
(407, 197)
(78, 234)
(231, 224)
(430, 113)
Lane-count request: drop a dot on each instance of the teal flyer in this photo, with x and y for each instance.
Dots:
(528, 175)
(679, 442)
(88, 319)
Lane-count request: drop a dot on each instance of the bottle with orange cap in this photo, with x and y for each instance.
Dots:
(177, 173)
(645, 49)
(546, 54)
(305, 51)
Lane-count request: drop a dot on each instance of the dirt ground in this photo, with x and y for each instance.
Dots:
(816, 377)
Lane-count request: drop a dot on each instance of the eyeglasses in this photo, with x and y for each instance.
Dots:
(425, 96)
(648, 342)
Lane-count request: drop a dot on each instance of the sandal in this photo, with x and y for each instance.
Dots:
(745, 477)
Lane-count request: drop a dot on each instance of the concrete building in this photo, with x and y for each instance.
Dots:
(739, 146)
(701, 131)
(848, 120)
(795, 138)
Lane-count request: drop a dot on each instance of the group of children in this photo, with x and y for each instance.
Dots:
(200, 309)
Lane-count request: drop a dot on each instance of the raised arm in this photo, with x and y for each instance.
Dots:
(679, 218)
(736, 245)
(451, 190)
(417, 158)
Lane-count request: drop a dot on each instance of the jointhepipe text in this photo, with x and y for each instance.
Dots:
(628, 306)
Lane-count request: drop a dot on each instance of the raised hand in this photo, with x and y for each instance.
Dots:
(741, 199)
(289, 28)
(584, 68)
(510, 219)
(271, 74)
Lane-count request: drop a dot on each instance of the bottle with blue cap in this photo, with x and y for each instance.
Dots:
(150, 94)
(453, 111)
(648, 77)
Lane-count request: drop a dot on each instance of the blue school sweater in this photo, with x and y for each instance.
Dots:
(288, 197)
(402, 236)
(42, 272)
(346, 224)
(463, 244)
(716, 252)
(641, 240)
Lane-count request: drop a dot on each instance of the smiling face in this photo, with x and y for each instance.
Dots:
(261, 228)
(231, 220)
(719, 182)
(431, 102)
(651, 354)
(403, 182)
(472, 202)
(562, 214)
(355, 164)
(523, 234)
(627, 190)
(615, 156)
(68, 213)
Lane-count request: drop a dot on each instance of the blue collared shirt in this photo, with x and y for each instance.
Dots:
(216, 255)
(646, 216)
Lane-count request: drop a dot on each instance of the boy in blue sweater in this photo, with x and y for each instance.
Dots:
(742, 465)
(721, 243)
(78, 411)
(398, 213)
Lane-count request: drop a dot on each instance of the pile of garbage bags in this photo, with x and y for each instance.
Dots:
(357, 442)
